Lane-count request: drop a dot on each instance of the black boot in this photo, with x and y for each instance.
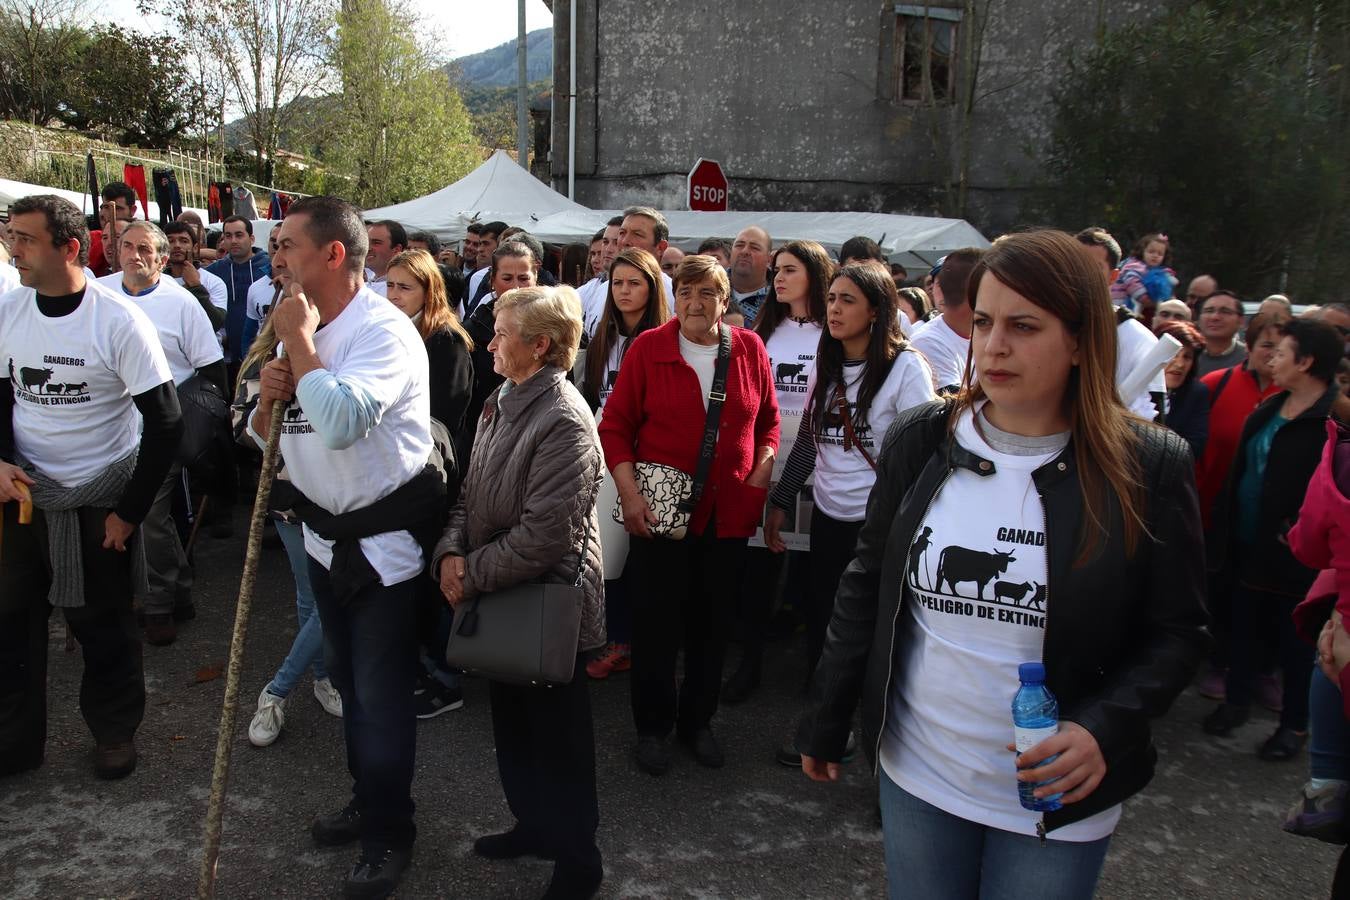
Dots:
(743, 682)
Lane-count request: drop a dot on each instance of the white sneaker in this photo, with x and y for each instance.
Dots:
(267, 721)
(328, 697)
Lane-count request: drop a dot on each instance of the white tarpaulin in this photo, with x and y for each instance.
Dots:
(912, 241)
(13, 190)
(498, 190)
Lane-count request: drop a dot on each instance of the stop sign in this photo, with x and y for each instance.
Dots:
(707, 187)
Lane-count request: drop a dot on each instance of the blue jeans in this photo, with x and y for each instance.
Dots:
(370, 648)
(307, 648)
(1329, 743)
(934, 854)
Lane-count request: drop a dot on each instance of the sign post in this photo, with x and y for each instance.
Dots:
(707, 187)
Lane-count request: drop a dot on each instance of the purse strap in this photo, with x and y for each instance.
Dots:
(716, 397)
(850, 438)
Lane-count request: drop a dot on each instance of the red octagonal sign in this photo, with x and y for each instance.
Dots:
(707, 187)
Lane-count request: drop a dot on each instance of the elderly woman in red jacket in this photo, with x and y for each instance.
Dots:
(656, 417)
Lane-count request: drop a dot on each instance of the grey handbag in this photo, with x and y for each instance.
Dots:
(524, 634)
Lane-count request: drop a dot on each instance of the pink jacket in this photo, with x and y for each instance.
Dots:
(1321, 539)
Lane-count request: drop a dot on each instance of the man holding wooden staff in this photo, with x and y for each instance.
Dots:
(356, 438)
(85, 368)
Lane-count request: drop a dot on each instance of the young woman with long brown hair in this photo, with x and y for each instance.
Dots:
(1029, 519)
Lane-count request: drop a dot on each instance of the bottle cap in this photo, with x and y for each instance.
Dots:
(1031, 673)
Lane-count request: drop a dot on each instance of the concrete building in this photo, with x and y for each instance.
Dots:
(848, 105)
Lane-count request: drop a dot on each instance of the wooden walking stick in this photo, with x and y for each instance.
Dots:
(206, 885)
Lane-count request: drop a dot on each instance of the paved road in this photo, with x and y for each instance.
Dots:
(1207, 827)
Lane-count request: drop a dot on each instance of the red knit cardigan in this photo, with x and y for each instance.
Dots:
(656, 415)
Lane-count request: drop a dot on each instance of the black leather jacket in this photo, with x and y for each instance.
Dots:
(1123, 636)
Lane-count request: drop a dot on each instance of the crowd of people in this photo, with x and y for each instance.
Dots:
(1032, 432)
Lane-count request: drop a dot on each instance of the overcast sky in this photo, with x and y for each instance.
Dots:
(466, 26)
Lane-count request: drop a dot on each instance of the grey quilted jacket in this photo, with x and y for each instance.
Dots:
(529, 496)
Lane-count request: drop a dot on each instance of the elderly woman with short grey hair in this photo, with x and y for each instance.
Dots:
(527, 513)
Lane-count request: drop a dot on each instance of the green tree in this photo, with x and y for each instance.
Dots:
(403, 130)
(1223, 124)
(39, 44)
(134, 87)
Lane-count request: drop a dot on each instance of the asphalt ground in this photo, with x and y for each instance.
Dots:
(1208, 826)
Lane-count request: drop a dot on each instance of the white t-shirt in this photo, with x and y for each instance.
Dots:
(185, 332)
(9, 277)
(670, 292)
(962, 639)
(374, 346)
(593, 295)
(606, 386)
(843, 478)
(74, 377)
(259, 300)
(946, 351)
(380, 287)
(474, 281)
(792, 360)
(703, 360)
(215, 288)
(1133, 342)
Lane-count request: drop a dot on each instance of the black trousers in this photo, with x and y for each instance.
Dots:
(112, 689)
(832, 546)
(370, 652)
(683, 593)
(1260, 619)
(546, 758)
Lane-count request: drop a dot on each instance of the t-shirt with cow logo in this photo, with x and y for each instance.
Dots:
(611, 374)
(259, 300)
(843, 477)
(183, 327)
(792, 359)
(73, 378)
(975, 604)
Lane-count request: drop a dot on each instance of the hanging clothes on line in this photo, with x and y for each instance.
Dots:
(213, 203)
(134, 175)
(280, 204)
(92, 175)
(222, 194)
(167, 196)
(244, 204)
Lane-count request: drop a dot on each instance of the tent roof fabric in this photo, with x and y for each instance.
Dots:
(499, 189)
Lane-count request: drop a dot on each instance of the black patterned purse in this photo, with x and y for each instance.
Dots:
(671, 493)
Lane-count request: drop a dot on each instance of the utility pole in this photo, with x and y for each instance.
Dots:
(522, 111)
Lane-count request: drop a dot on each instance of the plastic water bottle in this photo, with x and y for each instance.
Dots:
(1035, 717)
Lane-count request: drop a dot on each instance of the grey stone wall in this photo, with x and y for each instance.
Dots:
(793, 97)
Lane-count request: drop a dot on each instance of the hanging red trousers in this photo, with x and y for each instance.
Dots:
(134, 175)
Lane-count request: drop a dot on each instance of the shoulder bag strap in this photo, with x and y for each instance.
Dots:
(1218, 388)
(716, 397)
(851, 439)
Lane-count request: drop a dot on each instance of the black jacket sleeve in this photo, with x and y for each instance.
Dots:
(213, 312)
(450, 367)
(215, 373)
(160, 435)
(7, 420)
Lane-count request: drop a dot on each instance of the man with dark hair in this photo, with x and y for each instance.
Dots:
(118, 204)
(718, 248)
(387, 239)
(190, 347)
(751, 253)
(89, 422)
(1220, 322)
(1134, 340)
(594, 292)
(239, 266)
(357, 443)
(473, 234)
(860, 249)
(207, 288)
(424, 240)
(945, 340)
(489, 237)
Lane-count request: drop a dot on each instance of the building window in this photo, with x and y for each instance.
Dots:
(925, 53)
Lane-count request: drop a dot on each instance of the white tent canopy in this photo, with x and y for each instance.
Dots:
(14, 190)
(911, 241)
(498, 190)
